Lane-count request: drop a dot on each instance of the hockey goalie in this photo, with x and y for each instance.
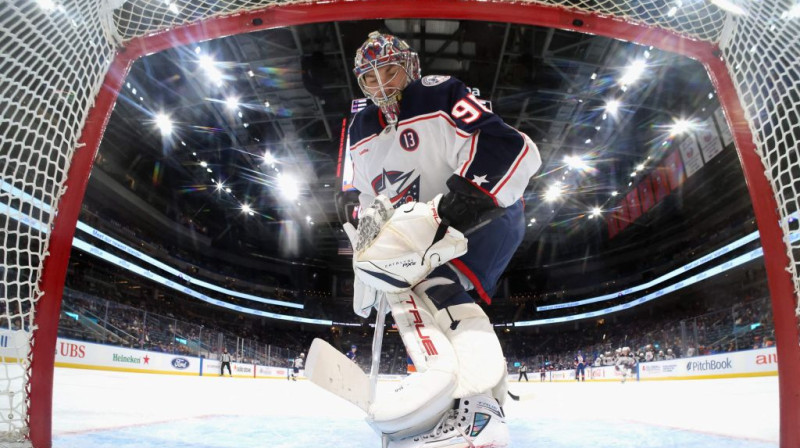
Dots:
(440, 180)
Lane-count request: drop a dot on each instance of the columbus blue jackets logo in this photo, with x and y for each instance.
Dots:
(434, 80)
(398, 186)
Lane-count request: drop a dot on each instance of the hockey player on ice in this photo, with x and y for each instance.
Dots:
(432, 162)
(580, 367)
(625, 363)
(297, 365)
(353, 353)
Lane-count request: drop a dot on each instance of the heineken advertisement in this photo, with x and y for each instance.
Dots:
(127, 358)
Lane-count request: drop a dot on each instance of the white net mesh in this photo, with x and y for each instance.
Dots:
(51, 66)
(698, 19)
(56, 53)
(762, 53)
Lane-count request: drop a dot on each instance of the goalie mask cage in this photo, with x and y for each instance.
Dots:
(62, 63)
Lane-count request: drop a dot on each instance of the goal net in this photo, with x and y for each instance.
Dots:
(62, 63)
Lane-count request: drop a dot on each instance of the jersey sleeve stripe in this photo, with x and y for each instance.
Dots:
(458, 264)
(488, 193)
(510, 172)
(470, 158)
(439, 114)
(363, 140)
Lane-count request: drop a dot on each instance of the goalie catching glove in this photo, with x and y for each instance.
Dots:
(406, 249)
(370, 223)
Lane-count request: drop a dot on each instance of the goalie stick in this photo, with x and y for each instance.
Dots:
(329, 369)
(377, 343)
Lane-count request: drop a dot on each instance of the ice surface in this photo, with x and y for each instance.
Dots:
(122, 410)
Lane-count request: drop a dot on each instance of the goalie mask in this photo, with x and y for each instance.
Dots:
(384, 86)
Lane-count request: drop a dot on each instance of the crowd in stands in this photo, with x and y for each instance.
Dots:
(708, 326)
(725, 325)
(675, 253)
(194, 263)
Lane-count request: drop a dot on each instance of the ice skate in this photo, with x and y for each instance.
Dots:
(476, 422)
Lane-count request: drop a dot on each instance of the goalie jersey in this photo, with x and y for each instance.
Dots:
(442, 130)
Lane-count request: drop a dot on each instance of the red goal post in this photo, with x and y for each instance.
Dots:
(64, 62)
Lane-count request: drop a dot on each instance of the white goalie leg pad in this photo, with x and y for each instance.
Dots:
(500, 390)
(423, 397)
(481, 364)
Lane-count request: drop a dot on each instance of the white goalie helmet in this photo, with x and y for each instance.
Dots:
(380, 50)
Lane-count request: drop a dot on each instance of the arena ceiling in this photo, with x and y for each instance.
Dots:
(249, 111)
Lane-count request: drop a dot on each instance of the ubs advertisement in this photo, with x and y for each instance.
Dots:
(71, 353)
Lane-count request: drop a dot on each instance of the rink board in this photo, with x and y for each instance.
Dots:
(86, 355)
(744, 364)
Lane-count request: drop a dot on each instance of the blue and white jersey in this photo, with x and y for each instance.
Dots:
(442, 130)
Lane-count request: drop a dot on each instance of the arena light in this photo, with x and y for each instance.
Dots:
(640, 167)
(164, 123)
(246, 208)
(680, 126)
(596, 211)
(47, 5)
(203, 164)
(612, 107)
(288, 187)
(553, 193)
(209, 65)
(614, 193)
(729, 6)
(220, 186)
(633, 72)
(232, 102)
(269, 159)
(793, 12)
(575, 162)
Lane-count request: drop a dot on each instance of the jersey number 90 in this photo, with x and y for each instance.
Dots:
(468, 109)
